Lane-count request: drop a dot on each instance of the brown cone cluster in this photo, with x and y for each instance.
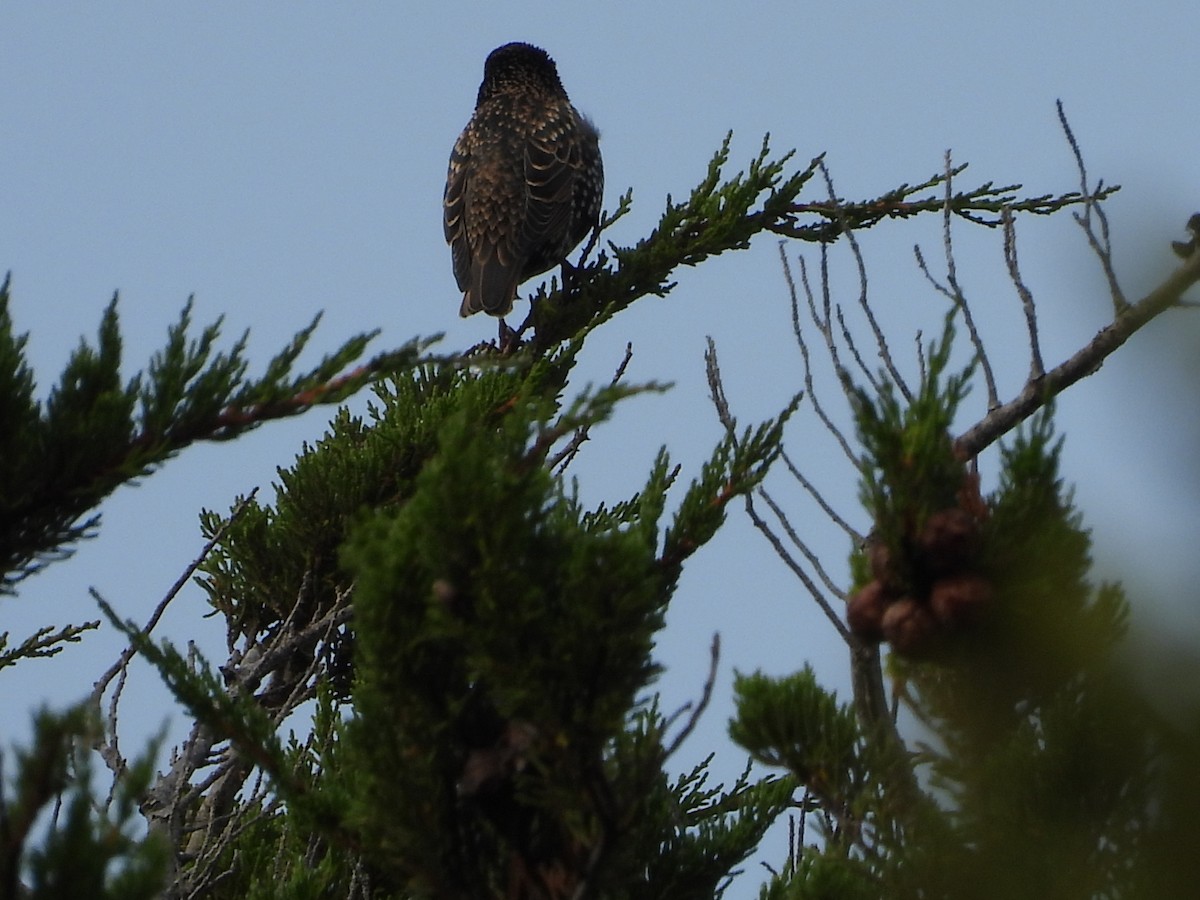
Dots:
(937, 592)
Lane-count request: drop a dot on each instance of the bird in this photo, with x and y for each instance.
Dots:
(525, 180)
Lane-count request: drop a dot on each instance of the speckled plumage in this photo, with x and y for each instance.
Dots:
(525, 181)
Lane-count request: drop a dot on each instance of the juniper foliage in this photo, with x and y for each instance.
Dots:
(440, 672)
(1035, 764)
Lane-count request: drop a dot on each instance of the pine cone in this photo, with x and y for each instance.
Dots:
(949, 541)
(864, 611)
(910, 627)
(879, 557)
(960, 600)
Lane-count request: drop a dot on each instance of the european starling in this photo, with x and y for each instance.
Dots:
(525, 180)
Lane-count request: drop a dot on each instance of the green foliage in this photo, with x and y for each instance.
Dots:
(494, 726)
(909, 469)
(477, 646)
(46, 641)
(61, 458)
(723, 828)
(794, 724)
(820, 875)
(478, 606)
(94, 432)
(717, 217)
(88, 849)
(256, 575)
(1050, 627)
(1043, 758)
(505, 634)
(1037, 761)
(501, 644)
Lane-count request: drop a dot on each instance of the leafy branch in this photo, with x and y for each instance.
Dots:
(982, 205)
(93, 433)
(905, 427)
(46, 641)
(722, 215)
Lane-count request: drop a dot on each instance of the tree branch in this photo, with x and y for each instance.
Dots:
(1037, 392)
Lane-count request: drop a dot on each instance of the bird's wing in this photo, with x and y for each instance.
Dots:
(493, 209)
(553, 160)
(453, 206)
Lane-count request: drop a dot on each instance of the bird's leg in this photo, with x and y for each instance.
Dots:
(507, 340)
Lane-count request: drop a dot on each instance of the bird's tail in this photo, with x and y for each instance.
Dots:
(491, 290)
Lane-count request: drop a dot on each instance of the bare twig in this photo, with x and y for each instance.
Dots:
(108, 744)
(801, 545)
(953, 292)
(1038, 392)
(716, 388)
(804, 352)
(203, 818)
(922, 364)
(851, 345)
(959, 298)
(270, 661)
(797, 569)
(1100, 242)
(981, 205)
(826, 507)
(824, 319)
(567, 454)
(721, 403)
(697, 709)
(880, 339)
(1036, 367)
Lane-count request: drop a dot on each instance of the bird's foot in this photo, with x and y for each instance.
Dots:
(507, 340)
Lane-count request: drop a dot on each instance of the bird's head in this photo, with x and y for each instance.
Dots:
(519, 66)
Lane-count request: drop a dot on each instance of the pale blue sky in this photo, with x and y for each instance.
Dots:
(278, 159)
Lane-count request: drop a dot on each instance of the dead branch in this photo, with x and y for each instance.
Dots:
(870, 694)
(1037, 392)
(108, 743)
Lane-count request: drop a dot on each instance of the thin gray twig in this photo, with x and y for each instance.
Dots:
(797, 569)
(697, 710)
(107, 745)
(801, 545)
(1036, 366)
(956, 294)
(880, 339)
(1037, 393)
(809, 387)
(1101, 243)
(567, 454)
(826, 507)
